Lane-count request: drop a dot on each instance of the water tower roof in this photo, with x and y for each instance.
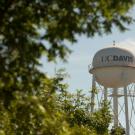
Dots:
(114, 56)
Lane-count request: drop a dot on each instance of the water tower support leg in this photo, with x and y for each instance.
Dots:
(93, 93)
(105, 93)
(115, 106)
(126, 111)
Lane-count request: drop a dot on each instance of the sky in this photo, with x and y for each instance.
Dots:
(82, 55)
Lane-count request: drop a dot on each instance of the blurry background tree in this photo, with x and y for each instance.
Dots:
(118, 131)
(28, 29)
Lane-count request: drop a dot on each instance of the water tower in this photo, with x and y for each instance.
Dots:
(113, 68)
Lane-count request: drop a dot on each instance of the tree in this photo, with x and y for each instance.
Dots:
(52, 111)
(27, 30)
(117, 131)
(78, 112)
(24, 25)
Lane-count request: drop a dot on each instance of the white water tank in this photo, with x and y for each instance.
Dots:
(114, 67)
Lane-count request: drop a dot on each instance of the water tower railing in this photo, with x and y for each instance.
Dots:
(90, 67)
(121, 93)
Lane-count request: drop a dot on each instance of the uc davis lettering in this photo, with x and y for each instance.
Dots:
(110, 58)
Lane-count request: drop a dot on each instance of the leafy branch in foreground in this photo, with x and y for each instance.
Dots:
(39, 26)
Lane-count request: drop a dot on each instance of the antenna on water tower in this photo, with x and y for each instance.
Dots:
(114, 43)
(114, 70)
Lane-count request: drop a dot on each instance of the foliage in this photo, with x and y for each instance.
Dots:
(44, 25)
(118, 131)
(52, 111)
(77, 108)
(31, 103)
